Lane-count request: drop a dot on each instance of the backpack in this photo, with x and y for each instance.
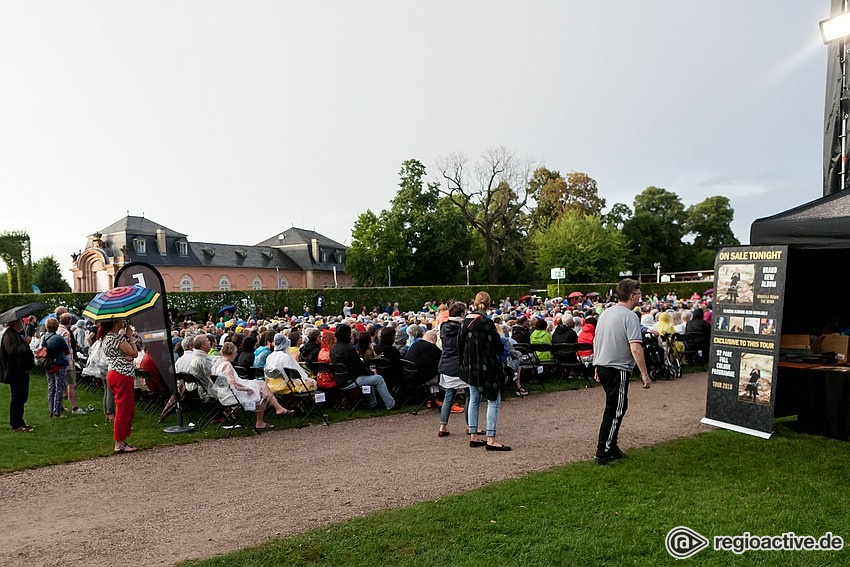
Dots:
(43, 359)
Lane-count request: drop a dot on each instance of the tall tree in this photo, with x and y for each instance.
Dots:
(617, 216)
(587, 249)
(47, 275)
(420, 239)
(710, 221)
(491, 194)
(554, 195)
(656, 229)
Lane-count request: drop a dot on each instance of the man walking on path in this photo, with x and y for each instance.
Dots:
(617, 347)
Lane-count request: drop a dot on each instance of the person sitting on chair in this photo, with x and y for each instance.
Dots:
(278, 361)
(426, 355)
(701, 330)
(342, 352)
(254, 395)
(540, 336)
(564, 332)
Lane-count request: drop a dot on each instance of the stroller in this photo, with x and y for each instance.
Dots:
(657, 362)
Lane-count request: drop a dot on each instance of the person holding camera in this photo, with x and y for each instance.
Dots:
(120, 350)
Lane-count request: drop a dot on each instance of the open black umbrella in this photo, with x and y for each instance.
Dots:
(227, 309)
(17, 313)
(189, 313)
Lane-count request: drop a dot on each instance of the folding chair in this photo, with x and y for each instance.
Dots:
(549, 366)
(412, 386)
(199, 398)
(383, 367)
(587, 360)
(304, 399)
(147, 401)
(235, 414)
(693, 355)
(529, 365)
(353, 395)
(569, 365)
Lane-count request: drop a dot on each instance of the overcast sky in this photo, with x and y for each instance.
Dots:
(231, 121)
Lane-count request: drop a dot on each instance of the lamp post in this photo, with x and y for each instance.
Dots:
(657, 266)
(469, 264)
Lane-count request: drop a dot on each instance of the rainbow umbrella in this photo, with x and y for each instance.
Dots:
(120, 302)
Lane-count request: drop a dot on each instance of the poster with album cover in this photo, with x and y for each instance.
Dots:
(749, 295)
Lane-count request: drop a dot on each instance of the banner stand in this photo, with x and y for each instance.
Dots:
(733, 427)
(153, 327)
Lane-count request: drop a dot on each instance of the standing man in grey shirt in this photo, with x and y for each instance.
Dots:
(617, 347)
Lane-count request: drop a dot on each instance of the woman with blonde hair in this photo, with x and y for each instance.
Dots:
(479, 350)
(254, 395)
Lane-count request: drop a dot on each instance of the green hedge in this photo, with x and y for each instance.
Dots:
(409, 298)
(683, 290)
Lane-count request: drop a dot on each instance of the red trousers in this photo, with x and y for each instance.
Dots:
(125, 403)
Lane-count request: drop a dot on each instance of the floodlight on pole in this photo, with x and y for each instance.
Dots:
(468, 265)
(833, 29)
(657, 266)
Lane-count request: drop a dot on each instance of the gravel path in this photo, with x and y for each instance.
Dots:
(161, 506)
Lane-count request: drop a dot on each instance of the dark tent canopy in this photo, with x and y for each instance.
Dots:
(823, 223)
(818, 238)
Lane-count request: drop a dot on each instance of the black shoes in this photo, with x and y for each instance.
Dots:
(498, 447)
(477, 443)
(606, 458)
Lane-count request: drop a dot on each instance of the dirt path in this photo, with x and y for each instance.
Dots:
(161, 506)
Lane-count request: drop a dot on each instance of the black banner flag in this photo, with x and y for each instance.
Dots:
(152, 325)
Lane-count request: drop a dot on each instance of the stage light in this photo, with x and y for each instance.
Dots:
(836, 28)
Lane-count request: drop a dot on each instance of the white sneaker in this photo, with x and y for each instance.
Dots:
(79, 411)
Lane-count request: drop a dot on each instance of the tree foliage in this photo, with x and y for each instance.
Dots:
(421, 238)
(15, 252)
(656, 230)
(710, 221)
(554, 195)
(47, 275)
(587, 249)
(491, 194)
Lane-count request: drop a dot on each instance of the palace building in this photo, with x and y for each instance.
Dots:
(296, 258)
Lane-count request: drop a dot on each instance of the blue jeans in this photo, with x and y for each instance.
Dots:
(55, 390)
(377, 382)
(448, 402)
(472, 411)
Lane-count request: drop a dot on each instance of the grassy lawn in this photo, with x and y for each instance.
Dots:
(717, 483)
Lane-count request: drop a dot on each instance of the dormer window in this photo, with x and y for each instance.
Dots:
(183, 248)
(140, 246)
(338, 257)
(324, 256)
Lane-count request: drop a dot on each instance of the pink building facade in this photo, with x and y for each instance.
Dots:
(295, 258)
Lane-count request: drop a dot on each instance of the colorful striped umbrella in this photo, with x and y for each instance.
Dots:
(120, 302)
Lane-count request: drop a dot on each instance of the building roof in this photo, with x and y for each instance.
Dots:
(139, 226)
(294, 236)
(120, 237)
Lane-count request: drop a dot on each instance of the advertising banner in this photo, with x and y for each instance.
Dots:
(152, 325)
(749, 295)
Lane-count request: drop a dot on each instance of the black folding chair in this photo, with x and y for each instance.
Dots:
(353, 395)
(585, 355)
(569, 365)
(303, 398)
(529, 365)
(695, 352)
(234, 413)
(548, 363)
(413, 387)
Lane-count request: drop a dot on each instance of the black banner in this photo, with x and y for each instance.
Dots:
(152, 325)
(749, 295)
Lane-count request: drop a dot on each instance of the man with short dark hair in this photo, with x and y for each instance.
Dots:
(617, 346)
(520, 332)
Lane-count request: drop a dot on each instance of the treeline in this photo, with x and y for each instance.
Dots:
(513, 221)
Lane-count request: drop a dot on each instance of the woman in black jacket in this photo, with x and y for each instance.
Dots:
(479, 351)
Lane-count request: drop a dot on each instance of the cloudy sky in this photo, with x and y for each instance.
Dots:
(230, 121)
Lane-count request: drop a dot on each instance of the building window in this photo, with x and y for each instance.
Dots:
(140, 246)
(284, 283)
(224, 284)
(183, 248)
(257, 283)
(186, 283)
(324, 256)
(338, 256)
